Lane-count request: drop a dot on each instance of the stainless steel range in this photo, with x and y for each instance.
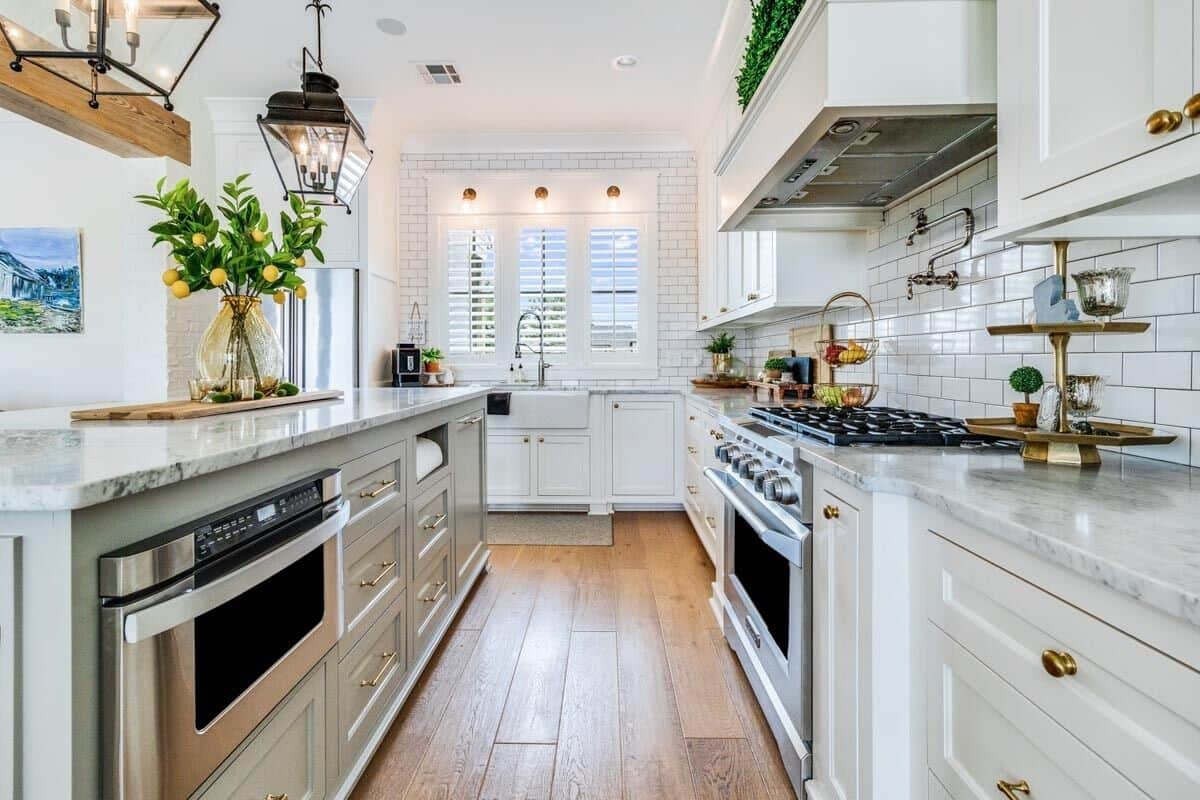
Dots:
(768, 583)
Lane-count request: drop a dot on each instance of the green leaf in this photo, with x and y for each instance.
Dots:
(316, 251)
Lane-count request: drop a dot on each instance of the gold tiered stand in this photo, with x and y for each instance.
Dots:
(1065, 446)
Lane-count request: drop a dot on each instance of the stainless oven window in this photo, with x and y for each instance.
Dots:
(238, 642)
(765, 577)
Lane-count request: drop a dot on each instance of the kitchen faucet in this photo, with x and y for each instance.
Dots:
(541, 351)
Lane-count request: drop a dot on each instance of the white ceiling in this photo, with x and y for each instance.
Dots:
(527, 65)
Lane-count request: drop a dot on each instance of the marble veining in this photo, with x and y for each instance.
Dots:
(51, 463)
(1131, 525)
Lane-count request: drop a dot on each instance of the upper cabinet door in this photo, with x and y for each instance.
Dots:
(750, 268)
(733, 271)
(1091, 77)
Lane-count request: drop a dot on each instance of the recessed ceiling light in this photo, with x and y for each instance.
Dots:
(625, 62)
(391, 26)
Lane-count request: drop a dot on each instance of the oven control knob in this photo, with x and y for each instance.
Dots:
(728, 452)
(762, 477)
(780, 490)
(749, 467)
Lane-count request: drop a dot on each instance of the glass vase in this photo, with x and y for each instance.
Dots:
(240, 343)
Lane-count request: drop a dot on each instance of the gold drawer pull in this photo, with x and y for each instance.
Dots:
(438, 520)
(387, 567)
(441, 589)
(276, 796)
(1163, 121)
(1059, 664)
(831, 512)
(693, 490)
(692, 450)
(691, 419)
(711, 523)
(716, 435)
(383, 487)
(471, 421)
(1010, 789)
(752, 296)
(387, 662)
(1191, 109)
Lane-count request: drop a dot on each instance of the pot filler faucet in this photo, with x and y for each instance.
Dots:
(541, 351)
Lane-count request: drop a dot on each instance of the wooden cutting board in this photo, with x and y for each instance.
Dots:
(186, 409)
(804, 342)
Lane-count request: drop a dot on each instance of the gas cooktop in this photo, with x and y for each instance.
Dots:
(873, 425)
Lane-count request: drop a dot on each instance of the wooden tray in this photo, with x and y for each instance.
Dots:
(1068, 327)
(719, 383)
(186, 409)
(1127, 435)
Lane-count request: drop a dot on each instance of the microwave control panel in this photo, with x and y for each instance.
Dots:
(253, 520)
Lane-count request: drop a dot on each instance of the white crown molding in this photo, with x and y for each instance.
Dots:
(599, 142)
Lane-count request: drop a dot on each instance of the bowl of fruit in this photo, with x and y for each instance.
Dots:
(846, 352)
(844, 395)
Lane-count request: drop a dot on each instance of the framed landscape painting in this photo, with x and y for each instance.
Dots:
(40, 288)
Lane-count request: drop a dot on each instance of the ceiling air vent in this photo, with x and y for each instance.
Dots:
(439, 74)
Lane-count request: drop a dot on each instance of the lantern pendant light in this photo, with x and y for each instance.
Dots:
(318, 147)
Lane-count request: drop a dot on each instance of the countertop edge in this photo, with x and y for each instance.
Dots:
(38, 499)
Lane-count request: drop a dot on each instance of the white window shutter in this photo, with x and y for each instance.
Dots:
(471, 284)
(614, 264)
(543, 285)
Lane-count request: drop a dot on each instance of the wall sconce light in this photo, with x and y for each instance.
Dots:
(468, 199)
(540, 194)
(614, 194)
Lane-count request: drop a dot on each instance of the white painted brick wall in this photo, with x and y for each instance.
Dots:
(679, 345)
(936, 356)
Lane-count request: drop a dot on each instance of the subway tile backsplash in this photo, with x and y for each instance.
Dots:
(936, 356)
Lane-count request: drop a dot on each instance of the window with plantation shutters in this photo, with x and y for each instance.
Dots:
(542, 266)
(471, 285)
(613, 256)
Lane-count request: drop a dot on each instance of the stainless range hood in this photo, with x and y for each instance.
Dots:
(867, 162)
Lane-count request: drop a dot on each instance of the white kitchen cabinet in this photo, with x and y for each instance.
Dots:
(643, 455)
(1077, 90)
(734, 272)
(10, 574)
(839, 593)
(468, 460)
(564, 465)
(510, 465)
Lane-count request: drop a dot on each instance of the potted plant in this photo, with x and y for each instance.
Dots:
(242, 259)
(1026, 380)
(774, 368)
(721, 347)
(431, 357)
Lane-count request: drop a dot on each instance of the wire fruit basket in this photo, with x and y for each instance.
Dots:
(844, 353)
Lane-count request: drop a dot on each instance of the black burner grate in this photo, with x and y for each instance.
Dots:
(848, 426)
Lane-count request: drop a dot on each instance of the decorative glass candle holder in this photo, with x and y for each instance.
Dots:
(1103, 293)
(1083, 396)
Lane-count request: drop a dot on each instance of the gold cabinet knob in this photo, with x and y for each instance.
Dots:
(831, 512)
(1191, 109)
(1163, 121)
(752, 296)
(1059, 664)
(703, 317)
(1010, 789)
(722, 310)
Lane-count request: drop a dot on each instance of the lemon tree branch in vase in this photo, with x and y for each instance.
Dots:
(239, 256)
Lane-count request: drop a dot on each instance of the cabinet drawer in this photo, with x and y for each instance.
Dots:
(430, 601)
(374, 486)
(432, 525)
(374, 570)
(368, 679)
(1137, 708)
(981, 731)
(286, 757)
(693, 484)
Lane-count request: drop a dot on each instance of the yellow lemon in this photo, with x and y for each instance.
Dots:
(299, 261)
(258, 236)
(170, 276)
(180, 289)
(218, 277)
(301, 292)
(199, 239)
(280, 296)
(270, 273)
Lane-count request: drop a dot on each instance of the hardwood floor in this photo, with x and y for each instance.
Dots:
(588, 673)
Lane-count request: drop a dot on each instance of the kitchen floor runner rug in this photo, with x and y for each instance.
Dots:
(528, 527)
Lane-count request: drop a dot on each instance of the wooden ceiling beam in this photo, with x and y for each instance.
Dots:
(130, 127)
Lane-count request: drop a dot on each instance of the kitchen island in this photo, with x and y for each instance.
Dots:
(410, 548)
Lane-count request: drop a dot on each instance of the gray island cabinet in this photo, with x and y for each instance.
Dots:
(410, 545)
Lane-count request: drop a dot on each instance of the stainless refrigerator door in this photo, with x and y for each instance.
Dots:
(320, 334)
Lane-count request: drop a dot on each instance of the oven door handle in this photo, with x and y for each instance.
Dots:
(788, 546)
(161, 617)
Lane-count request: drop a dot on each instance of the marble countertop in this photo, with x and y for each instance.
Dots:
(1132, 525)
(51, 463)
